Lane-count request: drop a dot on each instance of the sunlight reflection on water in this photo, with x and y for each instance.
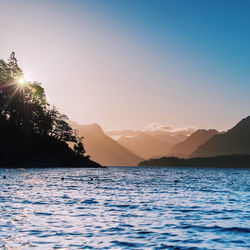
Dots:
(125, 208)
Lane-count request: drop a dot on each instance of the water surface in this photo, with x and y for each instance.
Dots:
(125, 208)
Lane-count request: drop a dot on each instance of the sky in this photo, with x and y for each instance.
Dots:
(129, 63)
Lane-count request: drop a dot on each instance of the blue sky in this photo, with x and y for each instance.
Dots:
(125, 64)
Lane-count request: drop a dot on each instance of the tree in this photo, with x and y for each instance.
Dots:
(79, 148)
(26, 116)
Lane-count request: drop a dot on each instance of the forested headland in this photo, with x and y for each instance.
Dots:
(32, 132)
(225, 161)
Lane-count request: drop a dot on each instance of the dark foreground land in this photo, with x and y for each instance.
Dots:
(230, 161)
(34, 133)
(41, 151)
(51, 164)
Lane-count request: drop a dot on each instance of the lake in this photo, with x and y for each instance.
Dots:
(125, 208)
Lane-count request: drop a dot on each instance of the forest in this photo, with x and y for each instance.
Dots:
(31, 130)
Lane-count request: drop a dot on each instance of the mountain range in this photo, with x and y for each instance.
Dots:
(189, 145)
(234, 141)
(145, 146)
(104, 149)
(131, 147)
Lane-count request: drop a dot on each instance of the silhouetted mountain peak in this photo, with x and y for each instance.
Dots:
(242, 125)
(93, 128)
(200, 132)
(104, 149)
(192, 142)
(235, 141)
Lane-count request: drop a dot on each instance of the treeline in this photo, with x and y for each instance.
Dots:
(230, 161)
(30, 128)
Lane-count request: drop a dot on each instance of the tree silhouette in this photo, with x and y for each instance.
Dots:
(28, 124)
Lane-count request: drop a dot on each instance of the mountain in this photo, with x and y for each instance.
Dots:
(166, 137)
(234, 141)
(104, 149)
(189, 145)
(144, 145)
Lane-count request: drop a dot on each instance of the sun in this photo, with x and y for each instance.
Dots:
(22, 81)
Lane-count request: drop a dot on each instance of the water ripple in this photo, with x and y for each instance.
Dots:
(125, 208)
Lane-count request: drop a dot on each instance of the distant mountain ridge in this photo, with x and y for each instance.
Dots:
(144, 145)
(167, 138)
(104, 149)
(164, 136)
(234, 141)
(130, 150)
(189, 145)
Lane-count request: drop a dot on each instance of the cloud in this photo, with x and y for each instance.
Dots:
(187, 130)
(123, 132)
(154, 128)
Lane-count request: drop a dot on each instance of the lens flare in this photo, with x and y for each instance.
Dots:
(22, 81)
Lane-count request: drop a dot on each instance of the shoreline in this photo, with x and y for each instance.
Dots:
(90, 164)
(221, 161)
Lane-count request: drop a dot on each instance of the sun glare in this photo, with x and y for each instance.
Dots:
(22, 81)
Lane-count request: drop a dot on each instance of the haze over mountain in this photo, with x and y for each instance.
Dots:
(104, 149)
(162, 132)
(135, 145)
(144, 145)
(168, 138)
(189, 145)
(234, 141)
